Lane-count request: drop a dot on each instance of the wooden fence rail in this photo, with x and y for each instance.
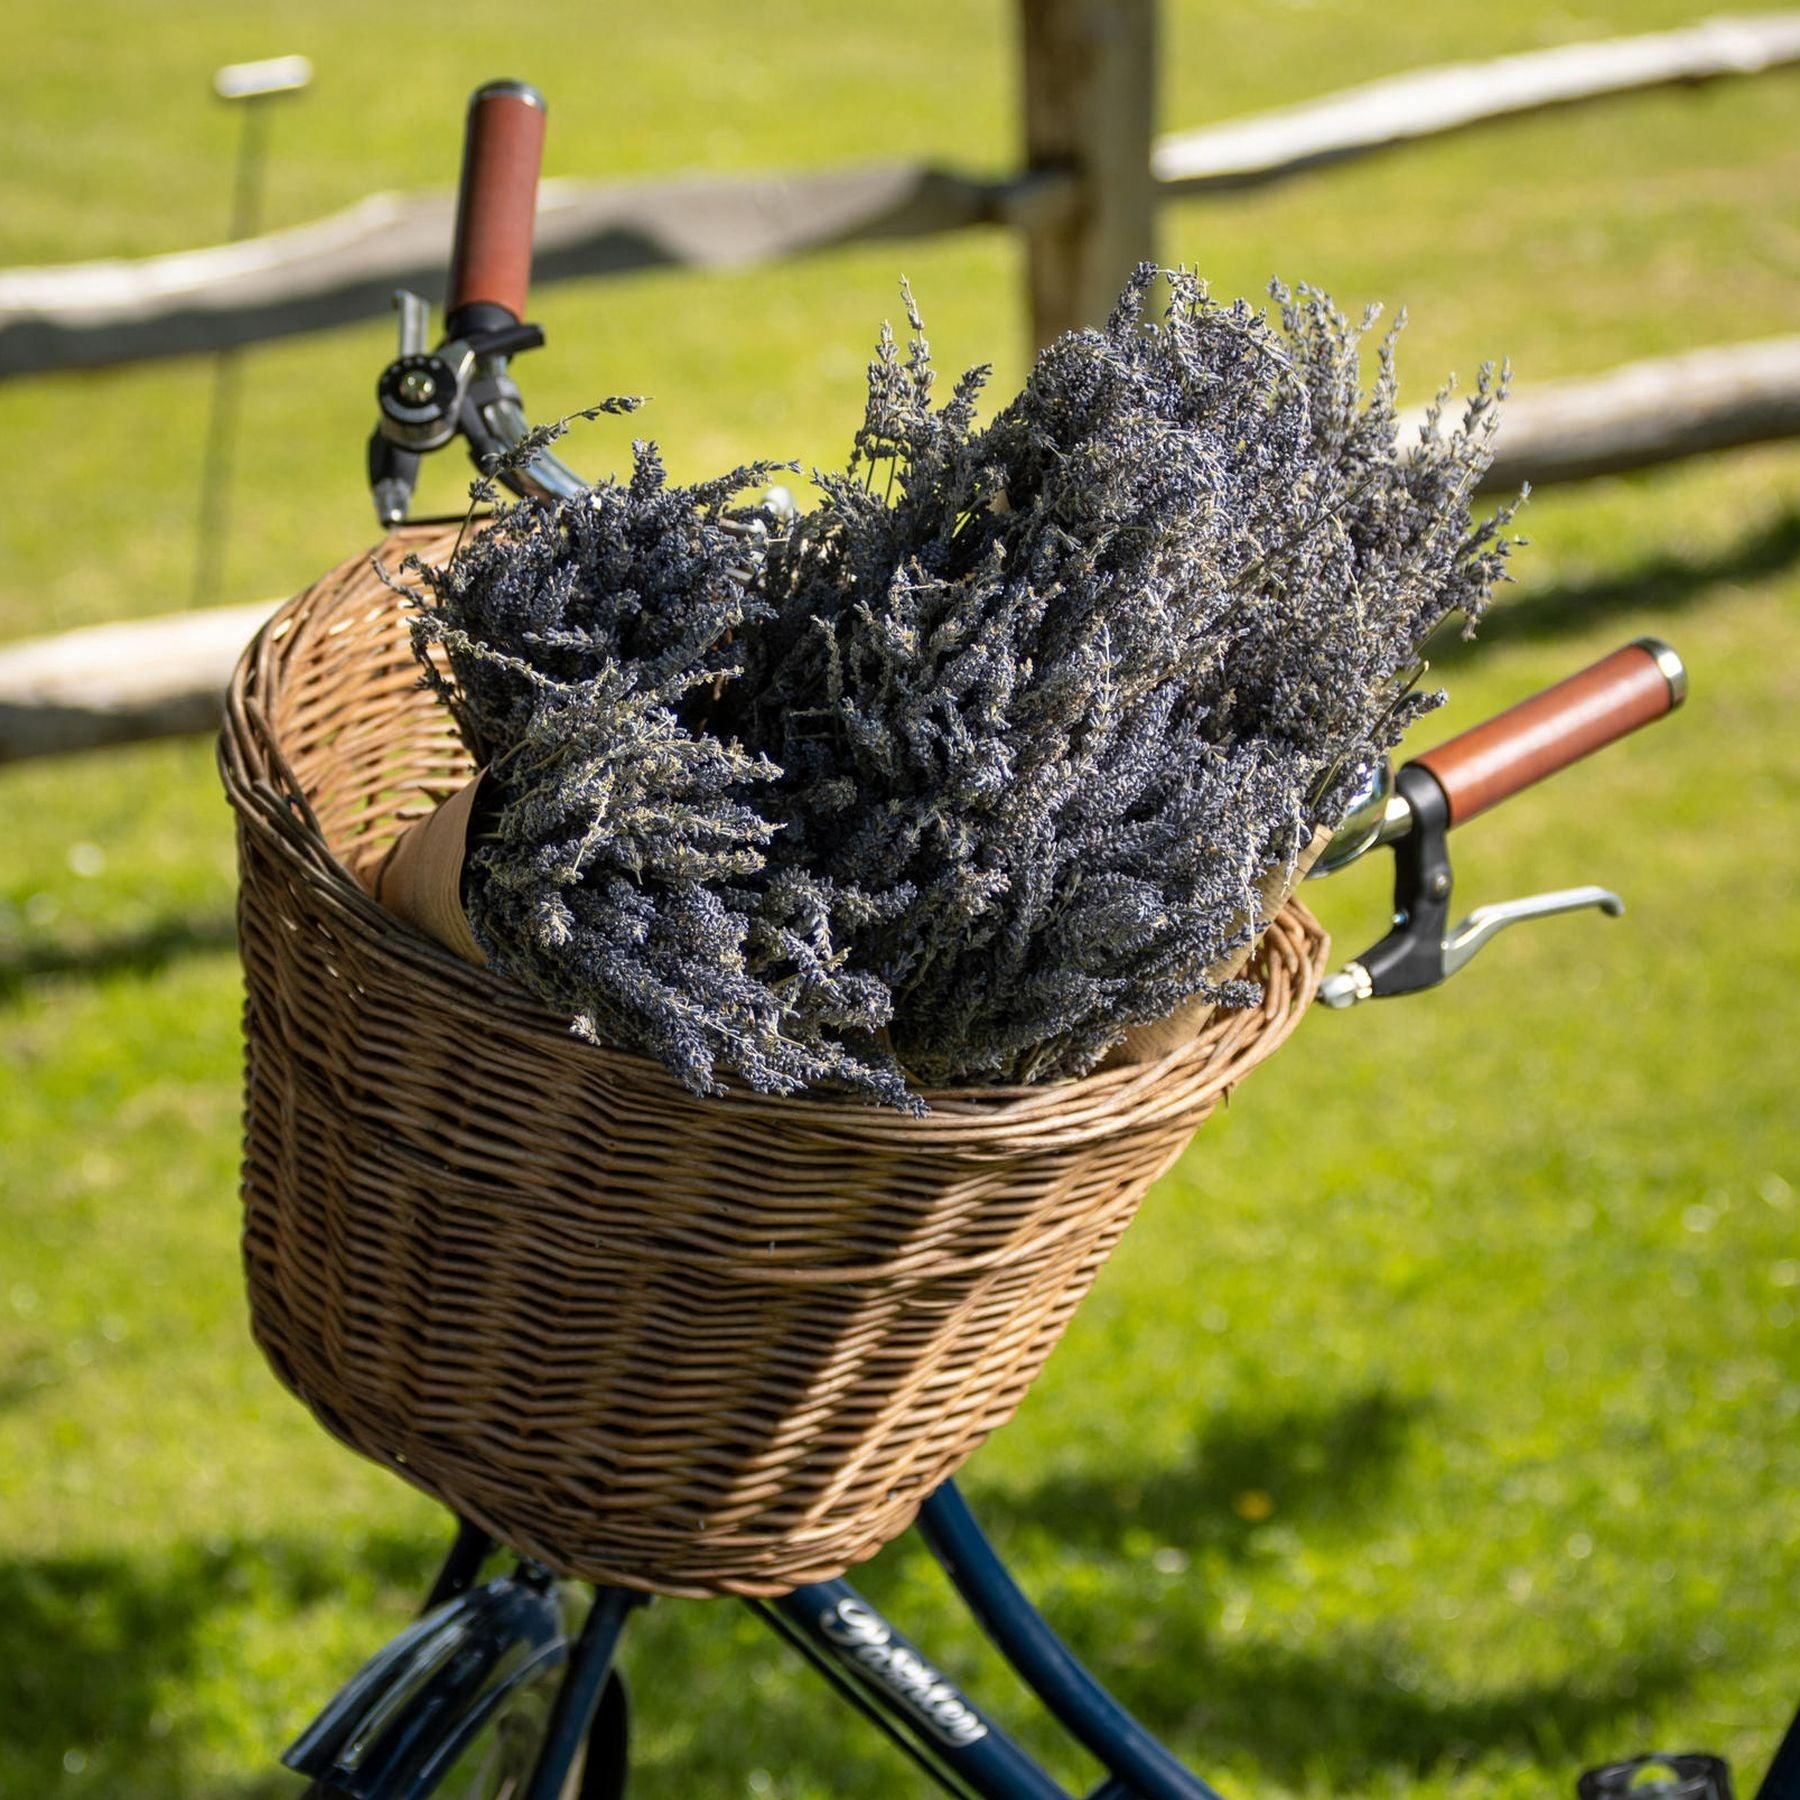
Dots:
(1649, 412)
(338, 270)
(1402, 109)
(1087, 206)
(1087, 203)
(115, 684)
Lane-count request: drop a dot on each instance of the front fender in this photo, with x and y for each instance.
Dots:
(401, 1722)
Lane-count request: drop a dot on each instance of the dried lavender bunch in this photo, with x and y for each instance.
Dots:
(618, 870)
(1006, 731)
(1062, 688)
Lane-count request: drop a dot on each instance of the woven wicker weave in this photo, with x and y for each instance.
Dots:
(691, 1346)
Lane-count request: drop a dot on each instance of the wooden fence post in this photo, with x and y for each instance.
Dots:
(1090, 111)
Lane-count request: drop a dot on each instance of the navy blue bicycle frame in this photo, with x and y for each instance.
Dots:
(902, 1690)
(895, 1685)
(886, 1677)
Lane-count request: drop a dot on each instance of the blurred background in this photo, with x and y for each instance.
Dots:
(1434, 1430)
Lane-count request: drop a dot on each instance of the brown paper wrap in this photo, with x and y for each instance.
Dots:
(420, 881)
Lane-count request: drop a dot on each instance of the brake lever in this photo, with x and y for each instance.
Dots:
(1424, 949)
(427, 397)
(1480, 927)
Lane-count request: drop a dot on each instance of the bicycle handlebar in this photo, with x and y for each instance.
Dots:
(1416, 809)
(1578, 715)
(496, 202)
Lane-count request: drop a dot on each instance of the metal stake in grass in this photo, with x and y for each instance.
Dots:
(252, 83)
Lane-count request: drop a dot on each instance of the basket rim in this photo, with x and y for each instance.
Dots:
(270, 802)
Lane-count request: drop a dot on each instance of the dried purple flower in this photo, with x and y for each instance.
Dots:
(997, 742)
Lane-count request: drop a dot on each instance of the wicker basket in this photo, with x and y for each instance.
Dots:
(690, 1346)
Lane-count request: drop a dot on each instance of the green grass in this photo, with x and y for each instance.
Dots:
(1491, 1295)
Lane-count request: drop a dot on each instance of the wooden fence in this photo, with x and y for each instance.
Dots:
(1086, 202)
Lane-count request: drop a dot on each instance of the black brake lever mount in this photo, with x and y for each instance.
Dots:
(1423, 949)
(1411, 956)
(424, 398)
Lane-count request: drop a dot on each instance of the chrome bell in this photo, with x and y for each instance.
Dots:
(1362, 824)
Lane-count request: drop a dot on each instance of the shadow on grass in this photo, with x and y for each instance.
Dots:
(141, 952)
(25, 1373)
(1359, 1705)
(92, 1648)
(1362, 1709)
(1359, 1708)
(1303, 1463)
(1666, 584)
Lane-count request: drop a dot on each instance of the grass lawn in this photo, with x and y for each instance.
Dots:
(1437, 1428)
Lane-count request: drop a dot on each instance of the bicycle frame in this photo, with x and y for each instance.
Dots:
(947, 1734)
(869, 1663)
(395, 1728)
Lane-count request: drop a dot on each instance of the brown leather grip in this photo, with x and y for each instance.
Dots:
(1492, 761)
(496, 205)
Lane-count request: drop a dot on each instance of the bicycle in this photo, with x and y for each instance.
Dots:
(506, 1688)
